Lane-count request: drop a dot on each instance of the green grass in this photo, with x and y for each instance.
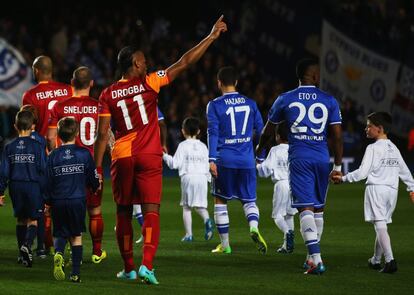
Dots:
(191, 269)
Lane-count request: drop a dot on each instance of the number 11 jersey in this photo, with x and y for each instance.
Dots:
(308, 111)
(132, 105)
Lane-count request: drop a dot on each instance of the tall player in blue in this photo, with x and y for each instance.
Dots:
(309, 113)
(232, 120)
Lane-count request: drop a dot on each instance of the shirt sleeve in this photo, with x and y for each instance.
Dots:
(157, 80)
(335, 114)
(53, 119)
(276, 114)
(160, 114)
(26, 98)
(92, 174)
(265, 168)
(4, 171)
(364, 169)
(176, 161)
(212, 131)
(405, 174)
(103, 107)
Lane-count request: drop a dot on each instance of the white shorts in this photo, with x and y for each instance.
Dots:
(136, 209)
(282, 204)
(194, 190)
(379, 203)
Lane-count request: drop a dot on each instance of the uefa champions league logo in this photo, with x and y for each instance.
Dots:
(68, 155)
(12, 66)
(21, 145)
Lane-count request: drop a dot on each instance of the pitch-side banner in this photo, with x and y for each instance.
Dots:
(402, 108)
(351, 71)
(15, 75)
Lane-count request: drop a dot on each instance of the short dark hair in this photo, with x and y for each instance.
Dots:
(24, 120)
(33, 109)
(81, 78)
(303, 65)
(124, 59)
(191, 126)
(383, 119)
(67, 129)
(227, 76)
(282, 130)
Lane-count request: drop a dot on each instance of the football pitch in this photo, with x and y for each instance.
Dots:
(190, 268)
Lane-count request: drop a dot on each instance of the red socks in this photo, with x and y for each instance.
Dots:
(124, 238)
(151, 234)
(48, 232)
(96, 227)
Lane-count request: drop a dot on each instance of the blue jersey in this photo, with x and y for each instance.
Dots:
(23, 159)
(232, 120)
(36, 136)
(308, 111)
(70, 169)
(160, 114)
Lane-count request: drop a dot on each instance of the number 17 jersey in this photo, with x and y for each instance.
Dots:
(308, 112)
(132, 106)
(232, 120)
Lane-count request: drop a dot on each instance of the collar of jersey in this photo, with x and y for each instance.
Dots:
(307, 86)
(229, 93)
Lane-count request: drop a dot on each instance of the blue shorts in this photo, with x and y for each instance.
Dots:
(68, 217)
(27, 199)
(233, 183)
(309, 183)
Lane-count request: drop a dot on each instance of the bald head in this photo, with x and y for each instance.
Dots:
(43, 65)
(82, 78)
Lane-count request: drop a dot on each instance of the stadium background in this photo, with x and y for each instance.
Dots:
(264, 41)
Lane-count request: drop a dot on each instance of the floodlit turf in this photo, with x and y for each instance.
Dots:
(184, 268)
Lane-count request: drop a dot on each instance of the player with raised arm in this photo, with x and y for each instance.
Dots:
(232, 120)
(309, 113)
(131, 104)
(43, 97)
(84, 109)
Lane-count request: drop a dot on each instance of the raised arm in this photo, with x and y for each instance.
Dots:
(195, 53)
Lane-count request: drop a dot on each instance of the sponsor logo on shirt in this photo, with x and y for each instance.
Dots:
(69, 169)
(390, 162)
(161, 74)
(21, 145)
(22, 158)
(67, 155)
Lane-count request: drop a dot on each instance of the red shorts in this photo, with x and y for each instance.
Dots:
(137, 179)
(93, 199)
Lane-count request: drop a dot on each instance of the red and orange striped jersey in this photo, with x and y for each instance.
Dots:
(132, 105)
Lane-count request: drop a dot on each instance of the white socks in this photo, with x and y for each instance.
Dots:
(252, 214)
(221, 218)
(383, 240)
(203, 213)
(187, 221)
(309, 233)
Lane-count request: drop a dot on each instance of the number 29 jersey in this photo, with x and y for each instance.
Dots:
(308, 111)
(232, 120)
(132, 105)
